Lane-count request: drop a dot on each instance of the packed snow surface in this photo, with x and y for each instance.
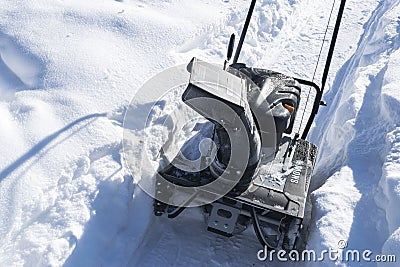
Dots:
(68, 70)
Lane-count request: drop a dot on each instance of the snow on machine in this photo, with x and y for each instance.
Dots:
(255, 166)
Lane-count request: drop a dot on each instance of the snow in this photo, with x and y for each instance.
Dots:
(69, 69)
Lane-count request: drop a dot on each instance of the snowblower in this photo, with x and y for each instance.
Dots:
(255, 168)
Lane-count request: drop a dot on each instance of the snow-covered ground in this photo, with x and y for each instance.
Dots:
(68, 70)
